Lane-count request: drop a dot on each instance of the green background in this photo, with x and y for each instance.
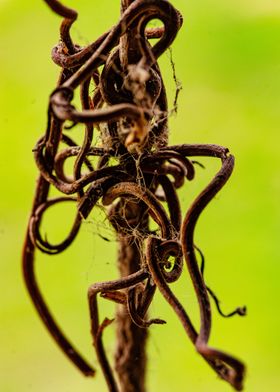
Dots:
(227, 57)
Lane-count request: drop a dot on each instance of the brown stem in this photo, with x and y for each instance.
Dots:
(130, 355)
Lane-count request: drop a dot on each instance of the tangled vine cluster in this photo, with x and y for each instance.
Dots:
(136, 171)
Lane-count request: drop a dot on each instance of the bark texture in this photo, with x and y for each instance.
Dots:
(130, 356)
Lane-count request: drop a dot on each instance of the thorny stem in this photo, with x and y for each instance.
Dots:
(129, 109)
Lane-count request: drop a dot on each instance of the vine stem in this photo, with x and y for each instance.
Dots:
(130, 355)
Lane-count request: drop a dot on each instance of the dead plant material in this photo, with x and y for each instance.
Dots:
(129, 109)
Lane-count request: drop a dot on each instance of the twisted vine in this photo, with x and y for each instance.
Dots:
(129, 109)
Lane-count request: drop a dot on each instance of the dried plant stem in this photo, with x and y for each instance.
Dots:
(130, 356)
(136, 171)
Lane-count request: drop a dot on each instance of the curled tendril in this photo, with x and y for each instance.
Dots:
(35, 222)
(129, 109)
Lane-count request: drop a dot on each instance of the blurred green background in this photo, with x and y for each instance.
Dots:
(227, 57)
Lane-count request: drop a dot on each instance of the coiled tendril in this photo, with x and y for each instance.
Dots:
(129, 109)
